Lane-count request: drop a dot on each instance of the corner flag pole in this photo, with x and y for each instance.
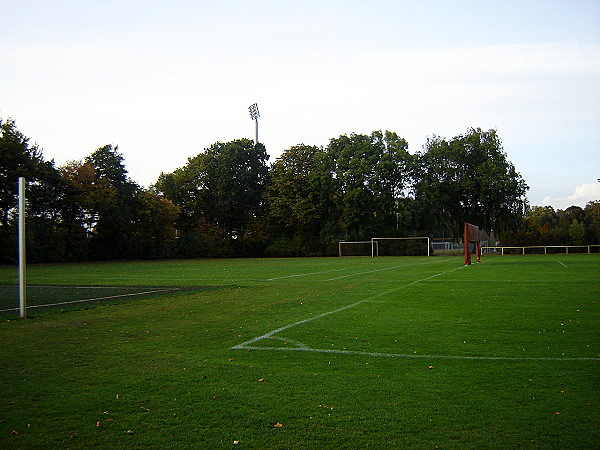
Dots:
(22, 275)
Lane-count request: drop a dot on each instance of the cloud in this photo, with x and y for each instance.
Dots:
(584, 193)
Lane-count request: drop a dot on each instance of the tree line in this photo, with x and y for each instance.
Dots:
(228, 201)
(542, 225)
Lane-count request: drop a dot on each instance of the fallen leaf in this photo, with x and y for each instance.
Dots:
(98, 424)
(278, 425)
(261, 379)
(129, 432)
(14, 432)
(431, 367)
(236, 442)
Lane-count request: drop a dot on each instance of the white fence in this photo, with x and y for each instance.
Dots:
(541, 249)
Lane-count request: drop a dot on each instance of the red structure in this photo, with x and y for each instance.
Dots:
(471, 234)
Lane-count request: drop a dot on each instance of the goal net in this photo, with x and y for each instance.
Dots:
(357, 248)
(406, 246)
(471, 236)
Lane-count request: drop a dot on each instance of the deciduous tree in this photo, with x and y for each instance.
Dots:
(371, 173)
(300, 200)
(468, 178)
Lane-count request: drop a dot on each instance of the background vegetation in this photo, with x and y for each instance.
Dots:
(229, 201)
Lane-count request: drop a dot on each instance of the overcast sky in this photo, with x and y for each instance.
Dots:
(165, 79)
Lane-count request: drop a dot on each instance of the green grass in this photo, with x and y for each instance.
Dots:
(380, 352)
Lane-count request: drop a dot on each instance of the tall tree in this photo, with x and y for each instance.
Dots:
(236, 177)
(468, 178)
(186, 188)
(45, 195)
(18, 159)
(300, 198)
(223, 185)
(154, 233)
(592, 221)
(372, 174)
(117, 210)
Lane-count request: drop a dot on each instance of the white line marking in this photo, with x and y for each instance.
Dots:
(301, 347)
(90, 299)
(304, 274)
(298, 344)
(384, 269)
(343, 308)
(562, 263)
(401, 355)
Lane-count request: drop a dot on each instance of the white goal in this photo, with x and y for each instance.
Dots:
(357, 248)
(405, 246)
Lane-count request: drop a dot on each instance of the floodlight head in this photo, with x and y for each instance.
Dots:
(254, 114)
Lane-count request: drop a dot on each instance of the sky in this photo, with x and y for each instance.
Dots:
(166, 79)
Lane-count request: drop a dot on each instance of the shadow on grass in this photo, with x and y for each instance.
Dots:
(46, 298)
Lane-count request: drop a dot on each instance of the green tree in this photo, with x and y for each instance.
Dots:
(18, 159)
(468, 178)
(221, 187)
(45, 194)
(236, 177)
(300, 201)
(539, 226)
(186, 188)
(154, 233)
(372, 174)
(592, 221)
(116, 209)
(571, 226)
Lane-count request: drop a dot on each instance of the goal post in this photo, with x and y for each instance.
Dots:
(471, 234)
(407, 246)
(357, 248)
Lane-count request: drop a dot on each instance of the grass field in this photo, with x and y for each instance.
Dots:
(301, 353)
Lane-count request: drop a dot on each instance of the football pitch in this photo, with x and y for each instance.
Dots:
(410, 352)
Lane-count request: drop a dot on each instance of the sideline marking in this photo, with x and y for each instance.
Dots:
(343, 308)
(561, 263)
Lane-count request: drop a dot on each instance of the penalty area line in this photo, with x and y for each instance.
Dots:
(343, 308)
(385, 268)
(304, 274)
(408, 355)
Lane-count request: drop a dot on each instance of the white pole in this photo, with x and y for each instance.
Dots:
(256, 140)
(22, 262)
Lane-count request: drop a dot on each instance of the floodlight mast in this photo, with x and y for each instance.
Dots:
(254, 115)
